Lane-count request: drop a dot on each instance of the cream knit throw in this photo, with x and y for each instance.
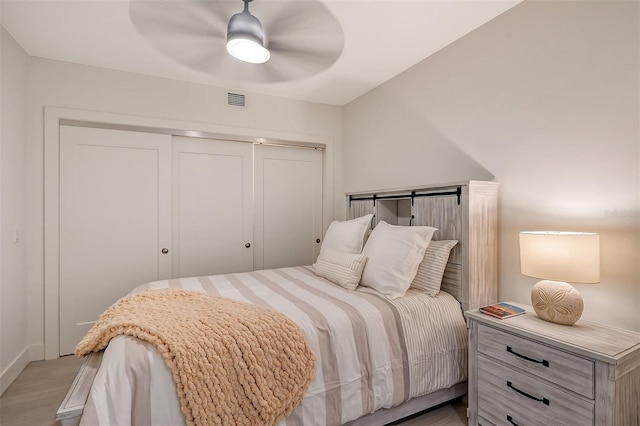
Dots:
(233, 363)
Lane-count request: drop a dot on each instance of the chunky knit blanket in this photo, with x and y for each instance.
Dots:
(233, 363)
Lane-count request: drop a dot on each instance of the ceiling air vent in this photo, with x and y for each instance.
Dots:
(236, 100)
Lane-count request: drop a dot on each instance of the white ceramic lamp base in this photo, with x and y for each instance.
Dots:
(557, 301)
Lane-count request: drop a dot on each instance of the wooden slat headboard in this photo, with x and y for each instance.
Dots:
(466, 212)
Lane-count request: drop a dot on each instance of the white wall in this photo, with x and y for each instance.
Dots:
(14, 353)
(545, 100)
(61, 84)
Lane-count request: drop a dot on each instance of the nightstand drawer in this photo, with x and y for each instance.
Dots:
(506, 396)
(564, 369)
(484, 422)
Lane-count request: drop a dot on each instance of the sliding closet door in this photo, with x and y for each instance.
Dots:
(115, 189)
(288, 195)
(212, 207)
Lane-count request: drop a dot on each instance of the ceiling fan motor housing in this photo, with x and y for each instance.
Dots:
(245, 25)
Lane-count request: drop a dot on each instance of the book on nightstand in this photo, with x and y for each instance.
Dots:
(502, 310)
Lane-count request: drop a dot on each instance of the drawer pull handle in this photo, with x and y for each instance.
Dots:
(545, 401)
(510, 419)
(543, 362)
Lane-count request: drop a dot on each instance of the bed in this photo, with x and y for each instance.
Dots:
(380, 354)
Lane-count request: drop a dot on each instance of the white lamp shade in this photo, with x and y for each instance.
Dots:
(561, 256)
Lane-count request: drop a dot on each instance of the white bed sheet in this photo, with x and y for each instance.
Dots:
(371, 352)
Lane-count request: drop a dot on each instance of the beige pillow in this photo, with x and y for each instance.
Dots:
(347, 236)
(394, 254)
(431, 269)
(344, 269)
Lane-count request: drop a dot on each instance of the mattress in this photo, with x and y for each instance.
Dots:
(371, 352)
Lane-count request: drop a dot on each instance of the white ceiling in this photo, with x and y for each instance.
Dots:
(382, 38)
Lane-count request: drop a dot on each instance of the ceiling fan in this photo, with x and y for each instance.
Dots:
(291, 39)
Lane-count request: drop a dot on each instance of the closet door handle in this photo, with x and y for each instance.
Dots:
(165, 250)
(318, 240)
(247, 245)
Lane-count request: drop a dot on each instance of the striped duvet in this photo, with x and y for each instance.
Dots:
(371, 352)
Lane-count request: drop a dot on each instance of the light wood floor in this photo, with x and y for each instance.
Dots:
(34, 398)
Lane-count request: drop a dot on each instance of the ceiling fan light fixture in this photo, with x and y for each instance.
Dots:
(246, 38)
(248, 50)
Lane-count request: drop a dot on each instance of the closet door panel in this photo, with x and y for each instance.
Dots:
(288, 206)
(114, 221)
(212, 206)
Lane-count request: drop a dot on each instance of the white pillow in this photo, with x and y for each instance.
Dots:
(394, 254)
(344, 269)
(347, 236)
(431, 269)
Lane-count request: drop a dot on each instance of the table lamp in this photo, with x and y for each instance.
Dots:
(557, 257)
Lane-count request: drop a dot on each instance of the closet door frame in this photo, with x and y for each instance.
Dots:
(56, 116)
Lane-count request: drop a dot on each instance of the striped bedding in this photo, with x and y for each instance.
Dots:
(371, 352)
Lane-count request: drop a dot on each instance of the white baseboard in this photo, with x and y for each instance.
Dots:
(11, 372)
(31, 353)
(36, 352)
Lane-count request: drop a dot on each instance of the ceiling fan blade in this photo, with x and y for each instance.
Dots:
(181, 17)
(202, 55)
(304, 35)
(296, 63)
(296, 17)
(174, 27)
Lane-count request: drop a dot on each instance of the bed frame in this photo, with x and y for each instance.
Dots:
(464, 211)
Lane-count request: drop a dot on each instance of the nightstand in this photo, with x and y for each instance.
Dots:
(526, 371)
